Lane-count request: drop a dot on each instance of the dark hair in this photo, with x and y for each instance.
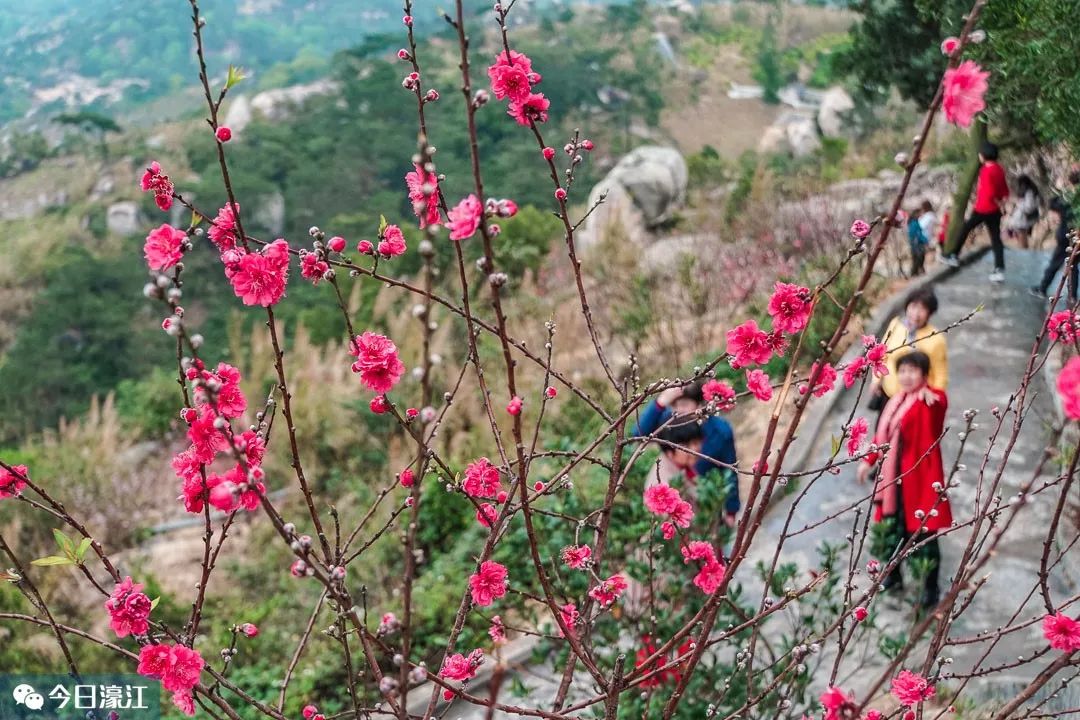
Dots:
(693, 392)
(926, 206)
(680, 433)
(917, 358)
(1025, 183)
(989, 151)
(924, 296)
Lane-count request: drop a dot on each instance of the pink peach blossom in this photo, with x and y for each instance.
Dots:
(162, 247)
(488, 583)
(964, 87)
(377, 361)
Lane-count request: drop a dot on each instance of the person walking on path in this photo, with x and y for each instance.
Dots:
(1060, 205)
(694, 451)
(990, 196)
(909, 496)
(1026, 213)
(928, 221)
(917, 241)
(909, 332)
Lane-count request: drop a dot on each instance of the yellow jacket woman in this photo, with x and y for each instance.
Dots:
(913, 331)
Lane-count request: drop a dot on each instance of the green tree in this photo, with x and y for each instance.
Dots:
(1030, 53)
(768, 71)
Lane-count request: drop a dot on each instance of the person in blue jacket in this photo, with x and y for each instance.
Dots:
(710, 439)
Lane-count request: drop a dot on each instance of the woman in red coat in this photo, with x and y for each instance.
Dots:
(911, 479)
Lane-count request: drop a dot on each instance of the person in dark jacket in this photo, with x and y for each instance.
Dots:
(1060, 205)
(710, 443)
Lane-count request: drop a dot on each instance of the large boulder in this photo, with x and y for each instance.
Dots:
(802, 136)
(642, 191)
(832, 117)
(793, 133)
(123, 218)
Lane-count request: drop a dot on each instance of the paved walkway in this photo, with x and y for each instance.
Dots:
(987, 356)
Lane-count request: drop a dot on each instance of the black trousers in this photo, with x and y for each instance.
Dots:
(1061, 253)
(993, 225)
(930, 553)
(918, 258)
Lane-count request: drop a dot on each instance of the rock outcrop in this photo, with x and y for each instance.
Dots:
(124, 218)
(641, 192)
(833, 115)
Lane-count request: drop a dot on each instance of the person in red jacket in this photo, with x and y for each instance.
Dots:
(990, 196)
(911, 480)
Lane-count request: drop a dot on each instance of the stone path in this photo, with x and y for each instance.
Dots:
(987, 356)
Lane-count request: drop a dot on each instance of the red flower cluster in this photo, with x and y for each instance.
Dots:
(910, 688)
(1062, 632)
(512, 77)
(721, 392)
(488, 583)
(259, 278)
(465, 218)
(392, 242)
(664, 500)
(177, 667)
(129, 609)
(576, 557)
(481, 479)
(312, 267)
(377, 362)
(153, 180)
(790, 307)
(825, 381)
(424, 196)
(712, 570)
(462, 667)
(222, 230)
(608, 591)
(218, 398)
(838, 705)
(759, 384)
(748, 345)
(163, 247)
(1063, 326)
(10, 483)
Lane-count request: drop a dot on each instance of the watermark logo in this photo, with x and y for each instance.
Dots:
(26, 695)
(112, 696)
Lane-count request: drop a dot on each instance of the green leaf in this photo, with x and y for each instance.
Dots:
(80, 552)
(834, 444)
(64, 542)
(382, 225)
(154, 602)
(196, 219)
(52, 560)
(235, 76)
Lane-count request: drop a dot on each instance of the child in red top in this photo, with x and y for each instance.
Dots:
(990, 196)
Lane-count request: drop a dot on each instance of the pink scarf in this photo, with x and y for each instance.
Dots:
(888, 431)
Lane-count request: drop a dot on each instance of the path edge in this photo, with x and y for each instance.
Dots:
(885, 311)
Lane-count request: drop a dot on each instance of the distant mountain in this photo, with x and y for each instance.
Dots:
(66, 54)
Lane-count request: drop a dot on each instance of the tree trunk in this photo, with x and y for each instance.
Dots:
(964, 185)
